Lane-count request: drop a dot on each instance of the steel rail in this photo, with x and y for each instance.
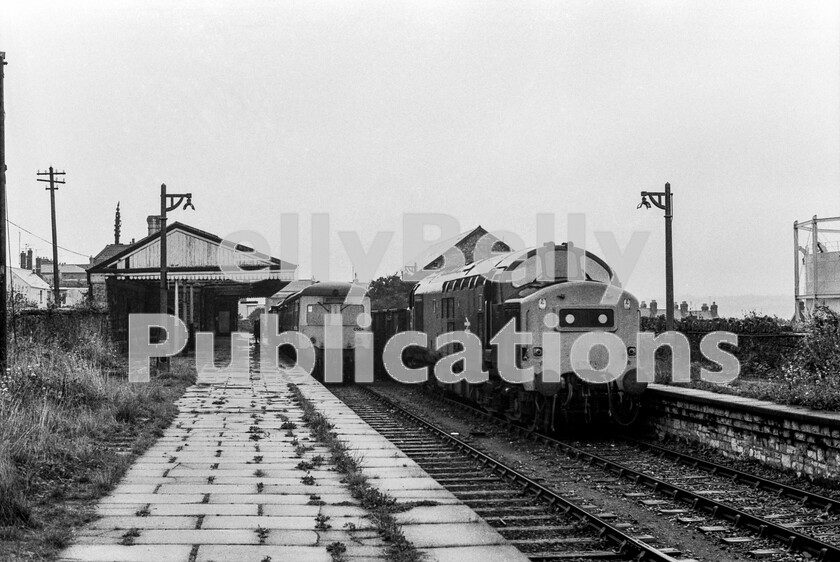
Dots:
(627, 545)
(830, 505)
(795, 541)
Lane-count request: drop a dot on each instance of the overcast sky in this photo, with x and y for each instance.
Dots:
(491, 112)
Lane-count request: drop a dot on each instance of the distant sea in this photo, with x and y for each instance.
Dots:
(738, 306)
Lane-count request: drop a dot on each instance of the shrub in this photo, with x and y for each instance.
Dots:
(812, 377)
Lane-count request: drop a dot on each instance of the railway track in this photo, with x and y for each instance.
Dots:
(538, 521)
(703, 494)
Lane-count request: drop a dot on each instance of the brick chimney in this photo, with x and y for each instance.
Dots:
(154, 224)
(29, 259)
(713, 309)
(684, 308)
(23, 260)
(653, 308)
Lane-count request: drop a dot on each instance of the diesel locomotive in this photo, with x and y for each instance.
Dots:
(546, 289)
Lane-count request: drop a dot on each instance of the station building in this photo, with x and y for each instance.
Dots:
(206, 279)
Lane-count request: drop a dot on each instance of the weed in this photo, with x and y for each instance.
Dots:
(128, 537)
(259, 473)
(321, 522)
(262, 534)
(337, 550)
(381, 506)
(308, 480)
(70, 425)
(260, 487)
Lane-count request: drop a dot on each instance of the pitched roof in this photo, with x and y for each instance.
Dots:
(30, 278)
(465, 242)
(109, 264)
(107, 253)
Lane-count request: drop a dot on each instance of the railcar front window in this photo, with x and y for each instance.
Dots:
(315, 314)
(349, 314)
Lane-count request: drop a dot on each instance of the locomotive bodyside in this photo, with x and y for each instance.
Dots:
(552, 289)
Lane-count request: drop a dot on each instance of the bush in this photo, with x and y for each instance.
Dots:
(765, 343)
(812, 377)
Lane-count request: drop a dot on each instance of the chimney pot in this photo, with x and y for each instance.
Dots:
(154, 224)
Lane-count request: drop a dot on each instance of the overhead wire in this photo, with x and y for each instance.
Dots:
(47, 241)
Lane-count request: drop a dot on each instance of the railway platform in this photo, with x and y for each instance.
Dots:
(237, 476)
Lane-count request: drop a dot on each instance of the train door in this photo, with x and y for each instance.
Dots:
(417, 310)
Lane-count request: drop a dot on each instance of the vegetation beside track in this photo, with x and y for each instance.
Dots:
(70, 426)
(381, 506)
(805, 374)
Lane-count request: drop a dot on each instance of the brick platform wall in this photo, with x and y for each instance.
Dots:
(797, 439)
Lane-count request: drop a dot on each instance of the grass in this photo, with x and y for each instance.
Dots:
(70, 426)
(382, 507)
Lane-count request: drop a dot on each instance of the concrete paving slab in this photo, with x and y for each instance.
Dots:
(123, 523)
(243, 553)
(119, 553)
(229, 467)
(495, 553)
(452, 534)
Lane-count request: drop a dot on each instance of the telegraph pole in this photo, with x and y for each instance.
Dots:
(4, 337)
(53, 181)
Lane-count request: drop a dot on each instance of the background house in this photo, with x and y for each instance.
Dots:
(26, 286)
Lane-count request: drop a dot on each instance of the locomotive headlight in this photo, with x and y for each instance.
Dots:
(626, 304)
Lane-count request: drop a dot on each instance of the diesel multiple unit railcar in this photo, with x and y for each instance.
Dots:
(306, 312)
(580, 295)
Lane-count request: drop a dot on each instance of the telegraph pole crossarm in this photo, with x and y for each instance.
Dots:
(51, 177)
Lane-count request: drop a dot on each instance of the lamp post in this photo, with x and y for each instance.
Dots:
(662, 200)
(168, 202)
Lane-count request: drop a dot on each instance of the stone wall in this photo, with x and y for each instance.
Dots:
(800, 440)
